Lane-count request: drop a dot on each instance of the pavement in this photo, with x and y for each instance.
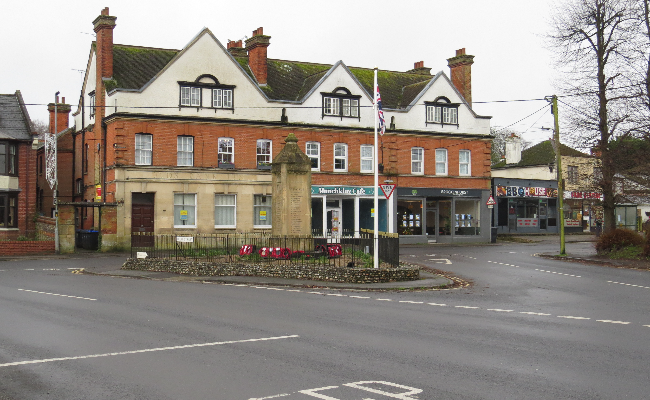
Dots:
(109, 264)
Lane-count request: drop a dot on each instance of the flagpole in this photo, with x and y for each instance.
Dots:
(376, 205)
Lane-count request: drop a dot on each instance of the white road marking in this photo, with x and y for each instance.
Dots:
(57, 294)
(367, 386)
(384, 299)
(437, 304)
(187, 346)
(51, 269)
(336, 294)
(473, 308)
(29, 269)
(499, 310)
(629, 284)
(533, 313)
(570, 317)
(558, 273)
(612, 322)
(647, 326)
(294, 290)
(242, 285)
(412, 302)
(315, 292)
(440, 260)
(359, 297)
(274, 288)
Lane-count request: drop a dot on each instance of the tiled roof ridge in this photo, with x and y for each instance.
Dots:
(349, 67)
(142, 47)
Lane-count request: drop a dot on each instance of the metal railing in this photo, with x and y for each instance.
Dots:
(259, 248)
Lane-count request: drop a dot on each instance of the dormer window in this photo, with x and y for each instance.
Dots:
(442, 111)
(341, 103)
(218, 95)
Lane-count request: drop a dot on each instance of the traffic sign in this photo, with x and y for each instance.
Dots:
(491, 201)
(387, 189)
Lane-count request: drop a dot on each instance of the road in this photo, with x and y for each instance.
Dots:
(528, 328)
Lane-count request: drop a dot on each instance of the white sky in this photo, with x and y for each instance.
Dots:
(45, 42)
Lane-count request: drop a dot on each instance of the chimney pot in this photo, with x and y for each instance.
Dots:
(460, 68)
(256, 47)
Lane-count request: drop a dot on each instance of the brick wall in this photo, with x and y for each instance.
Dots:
(23, 247)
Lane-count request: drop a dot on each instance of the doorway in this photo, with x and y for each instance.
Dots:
(142, 219)
(334, 221)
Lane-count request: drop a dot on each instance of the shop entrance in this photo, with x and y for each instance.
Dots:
(334, 221)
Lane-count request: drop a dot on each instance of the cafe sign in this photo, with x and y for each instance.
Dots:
(343, 190)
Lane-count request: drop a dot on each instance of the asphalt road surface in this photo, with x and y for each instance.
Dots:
(528, 328)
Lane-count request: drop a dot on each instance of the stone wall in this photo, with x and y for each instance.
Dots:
(288, 271)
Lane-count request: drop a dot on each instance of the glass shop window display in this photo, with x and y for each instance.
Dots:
(409, 217)
(467, 217)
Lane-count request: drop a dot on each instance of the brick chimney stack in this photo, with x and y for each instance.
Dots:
(461, 73)
(256, 47)
(103, 27)
(236, 48)
(63, 115)
(419, 68)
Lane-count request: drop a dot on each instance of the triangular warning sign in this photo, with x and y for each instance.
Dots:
(387, 189)
(491, 201)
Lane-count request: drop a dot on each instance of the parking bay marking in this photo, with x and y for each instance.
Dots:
(383, 388)
(187, 346)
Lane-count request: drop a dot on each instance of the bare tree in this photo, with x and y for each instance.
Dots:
(594, 42)
(499, 137)
(40, 127)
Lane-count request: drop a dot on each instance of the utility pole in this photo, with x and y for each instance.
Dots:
(560, 183)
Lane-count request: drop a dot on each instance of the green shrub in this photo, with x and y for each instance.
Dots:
(646, 248)
(617, 240)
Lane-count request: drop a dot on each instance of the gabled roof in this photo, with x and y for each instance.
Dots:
(14, 119)
(135, 66)
(542, 153)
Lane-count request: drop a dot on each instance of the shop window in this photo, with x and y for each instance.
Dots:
(467, 217)
(409, 217)
(184, 210)
(262, 211)
(225, 211)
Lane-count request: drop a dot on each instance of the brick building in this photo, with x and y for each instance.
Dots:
(17, 169)
(180, 141)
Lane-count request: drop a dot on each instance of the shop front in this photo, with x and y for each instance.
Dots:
(525, 206)
(582, 210)
(342, 211)
(433, 215)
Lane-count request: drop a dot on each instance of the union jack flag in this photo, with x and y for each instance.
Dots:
(380, 113)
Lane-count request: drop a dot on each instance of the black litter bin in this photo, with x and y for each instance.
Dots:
(493, 237)
(89, 239)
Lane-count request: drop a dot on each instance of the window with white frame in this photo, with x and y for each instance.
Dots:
(264, 156)
(312, 149)
(442, 111)
(417, 160)
(190, 96)
(341, 103)
(185, 151)
(340, 157)
(184, 210)
(464, 163)
(441, 161)
(367, 158)
(262, 211)
(226, 151)
(222, 98)
(225, 211)
(143, 148)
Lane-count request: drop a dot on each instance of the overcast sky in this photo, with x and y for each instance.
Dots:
(45, 44)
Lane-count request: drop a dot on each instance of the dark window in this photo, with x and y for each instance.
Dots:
(8, 210)
(8, 158)
(341, 103)
(91, 100)
(572, 174)
(217, 95)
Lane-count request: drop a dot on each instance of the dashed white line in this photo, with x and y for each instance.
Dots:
(57, 294)
(469, 307)
(412, 302)
(499, 310)
(629, 284)
(534, 313)
(558, 273)
(315, 292)
(437, 304)
(612, 322)
(383, 299)
(187, 346)
(359, 297)
(571, 317)
(336, 294)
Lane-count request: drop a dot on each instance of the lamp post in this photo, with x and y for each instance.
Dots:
(558, 162)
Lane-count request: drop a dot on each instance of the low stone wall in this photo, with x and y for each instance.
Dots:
(288, 271)
(25, 247)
